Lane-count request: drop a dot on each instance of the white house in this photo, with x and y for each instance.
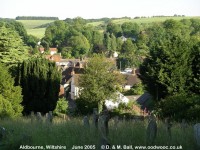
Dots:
(115, 54)
(75, 89)
(111, 104)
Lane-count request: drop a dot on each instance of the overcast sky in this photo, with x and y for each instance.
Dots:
(98, 8)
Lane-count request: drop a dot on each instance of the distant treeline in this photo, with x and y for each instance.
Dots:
(70, 20)
(36, 18)
(138, 17)
(106, 20)
(175, 15)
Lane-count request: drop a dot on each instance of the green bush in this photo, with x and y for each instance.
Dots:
(180, 107)
(61, 106)
(124, 109)
(84, 106)
(137, 89)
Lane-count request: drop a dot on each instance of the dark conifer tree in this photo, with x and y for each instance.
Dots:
(40, 82)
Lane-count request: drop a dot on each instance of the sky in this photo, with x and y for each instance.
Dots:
(98, 8)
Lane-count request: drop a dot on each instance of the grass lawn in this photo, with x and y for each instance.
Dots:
(72, 132)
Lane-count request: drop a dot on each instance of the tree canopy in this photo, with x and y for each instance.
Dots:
(167, 70)
(10, 95)
(99, 82)
(12, 49)
(18, 27)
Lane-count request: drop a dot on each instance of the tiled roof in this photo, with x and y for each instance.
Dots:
(76, 79)
(41, 49)
(53, 49)
(131, 79)
(55, 58)
(62, 91)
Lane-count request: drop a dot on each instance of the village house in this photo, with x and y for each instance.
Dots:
(51, 50)
(73, 68)
(109, 103)
(56, 58)
(75, 88)
(131, 77)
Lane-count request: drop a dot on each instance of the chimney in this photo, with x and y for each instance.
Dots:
(134, 71)
(73, 72)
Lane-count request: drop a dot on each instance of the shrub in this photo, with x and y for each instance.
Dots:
(137, 89)
(84, 106)
(61, 106)
(127, 109)
(180, 106)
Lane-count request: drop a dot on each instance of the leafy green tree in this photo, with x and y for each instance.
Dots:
(97, 38)
(113, 42)
(32, 41)
(128, 47)
(128, 57)
(88, 33)
(130, 29)
(114, 28)
(29, 40)
(119, 43)
(99, 49)
(10, 95)
(195, 26)
(142, 44)
(80, 45)
(40, 82)
(98, 83)
(12, 49)
(45, 44)
(107, 41)
(55, 33)
(78, 24)
(167, 69)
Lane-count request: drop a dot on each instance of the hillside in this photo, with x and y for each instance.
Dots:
(31, 26)
(37, 27)
(149, 20)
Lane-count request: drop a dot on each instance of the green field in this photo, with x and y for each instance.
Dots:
(30, 26)
(39, 32)
(150, 20)
(142, 20)
(96, 23)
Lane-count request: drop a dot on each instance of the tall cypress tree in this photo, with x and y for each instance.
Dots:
(40, 82)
